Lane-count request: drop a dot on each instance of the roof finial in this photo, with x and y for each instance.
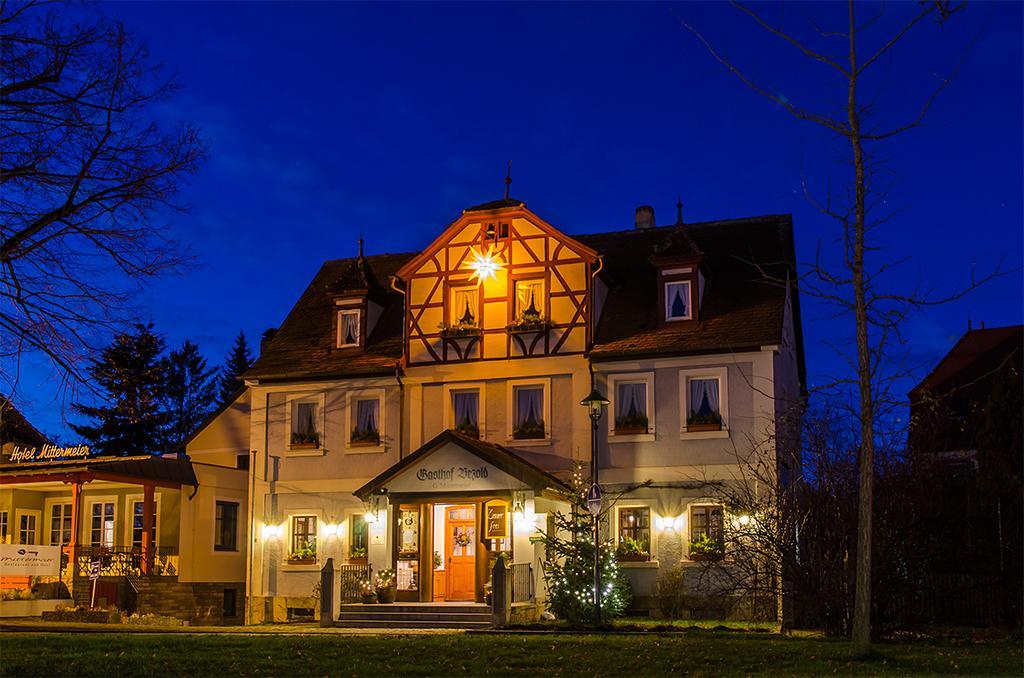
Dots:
(360, 245)
(508, 179)
(679, 211)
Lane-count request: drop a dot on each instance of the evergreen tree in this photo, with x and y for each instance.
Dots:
(132, 375)
(191, 392)
(238, 361)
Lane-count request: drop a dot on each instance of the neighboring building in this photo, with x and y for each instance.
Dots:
(420, 412)
(150, 522)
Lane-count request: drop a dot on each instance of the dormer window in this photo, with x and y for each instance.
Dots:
(349, 328)
(678, 300)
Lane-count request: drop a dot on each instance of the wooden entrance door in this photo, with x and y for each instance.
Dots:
(460, 549)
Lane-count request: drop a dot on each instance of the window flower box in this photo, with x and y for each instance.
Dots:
(364, 438)
(529, 430)
(705, 549)
(305, 441)
(459, 330)
(527, 326)
(626, 426)
(704, 422)
(632, 550)
(304, 556)
(357, 555)
(468, 429)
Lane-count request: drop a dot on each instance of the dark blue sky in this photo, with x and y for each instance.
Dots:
(327, 120)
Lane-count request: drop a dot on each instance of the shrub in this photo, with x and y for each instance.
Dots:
(672, 599)
(152, 620)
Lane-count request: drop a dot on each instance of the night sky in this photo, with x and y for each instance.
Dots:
(325, 121)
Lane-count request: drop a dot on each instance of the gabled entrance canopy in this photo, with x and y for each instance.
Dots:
(455, 464)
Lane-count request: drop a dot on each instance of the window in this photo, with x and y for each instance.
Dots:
(631, 408)
(360, 538)
(3, 527)
(230, 608)
(242, 461)
(27, 528)
(677, 301)
(527, 412)
(305, 428)
(225, 530)
(60, 524)
(303, 538)
(348, 328)
(102, 527)
(137, 514)
(529, 299)
(634, 533)
(366, 427)
(706, 531)
(466, 412)
(464, 307)
(704, 410)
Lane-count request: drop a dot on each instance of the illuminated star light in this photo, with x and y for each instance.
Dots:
(483, 265)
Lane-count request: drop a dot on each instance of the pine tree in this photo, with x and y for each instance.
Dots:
(132, 375)
(191, 392)
(238, 361)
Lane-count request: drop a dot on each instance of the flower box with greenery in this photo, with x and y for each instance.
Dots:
(631, 425)
(357, 555)
(437, 560)
(303, 556)
(385, 586)
(367, 592)
(632, 551)
(530, 321)
(531, 429)
(705, 548)
(460, 330)
(710, 421)
(368, 437)
(305, 441)
(468, 429)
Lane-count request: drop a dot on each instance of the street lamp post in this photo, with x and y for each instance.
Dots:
(595, 404)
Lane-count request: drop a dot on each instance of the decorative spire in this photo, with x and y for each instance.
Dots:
(508, 179)
(679, 211)
(360, 245)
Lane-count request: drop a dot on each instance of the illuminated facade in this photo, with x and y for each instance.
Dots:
(421, 413)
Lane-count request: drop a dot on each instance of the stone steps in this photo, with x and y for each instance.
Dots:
(399, 616)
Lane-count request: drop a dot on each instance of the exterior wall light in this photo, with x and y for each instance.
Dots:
(743, 520)
(671, 524)
(271, 531)
(331, 529)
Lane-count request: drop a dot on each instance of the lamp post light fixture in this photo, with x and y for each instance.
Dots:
(595, 404)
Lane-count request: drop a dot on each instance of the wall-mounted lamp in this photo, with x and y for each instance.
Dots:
(271, 531)
(517, 507)
(331, 529)
(670, 523)
(743, 520)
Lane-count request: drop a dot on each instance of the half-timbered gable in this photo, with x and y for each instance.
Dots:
(499, 283)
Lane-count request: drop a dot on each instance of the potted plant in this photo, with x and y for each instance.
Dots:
(468, 429)
(709, 421)
(706, 548)
(631, 425)
(384, 584)
(305, 555)
(531, 429)
(530, 321)
(364, 437)
(305, 441)
(463, 328)
(357, 554)
(437, 559)
(631, 550)
(367, 592)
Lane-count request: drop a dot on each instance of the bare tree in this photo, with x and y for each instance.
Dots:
(854, 286)
(85, 175)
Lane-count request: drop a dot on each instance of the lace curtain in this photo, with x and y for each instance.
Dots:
(677, 300)
(704, 397)
(349, 328)
(464, 306)
(529, 293)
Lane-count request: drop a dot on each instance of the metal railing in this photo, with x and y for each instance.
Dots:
(522, 583)
(352, 578)
(122, 562)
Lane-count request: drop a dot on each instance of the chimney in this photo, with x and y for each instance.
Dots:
(644, 217)
(267, 337)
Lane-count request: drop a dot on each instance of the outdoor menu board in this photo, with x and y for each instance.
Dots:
(496, 521)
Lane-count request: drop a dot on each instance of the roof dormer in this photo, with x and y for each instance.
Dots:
(358, 303)
(679, 263)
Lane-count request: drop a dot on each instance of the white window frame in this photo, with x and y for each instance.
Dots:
(511, 385)
(720, 373)
(292, 400)
(449, 410)
(613, 393)
(652, 528)
(359, 325)
(350, 413)
(48, 516)
(129, 502)
(689, 300)
(16, 532)
(87, 523)
(287, 545)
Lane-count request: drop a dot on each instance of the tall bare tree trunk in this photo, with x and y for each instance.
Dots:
(866, 467)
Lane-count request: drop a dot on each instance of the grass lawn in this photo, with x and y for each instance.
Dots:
(695, 653)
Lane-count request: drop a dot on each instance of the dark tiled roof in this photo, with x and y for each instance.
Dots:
(15, 428)
(304, 347)
(740, 309)
(978, 354)
(166, 470)
(495, 205)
